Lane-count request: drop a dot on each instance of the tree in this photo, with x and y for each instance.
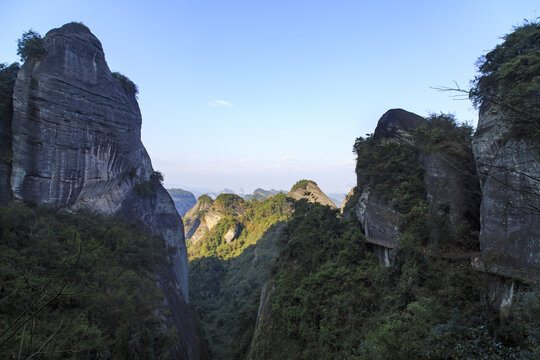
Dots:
(30, 46)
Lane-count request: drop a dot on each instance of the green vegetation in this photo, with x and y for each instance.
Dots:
(302, 184)
(443, 134)
(349, 207)
(392, 171)
(204, 202)
(332, 300)
(510, 78)
(78, 286)
(147, 188)
(225, 278)
(128, 85)
(30, 46)
(230, 203)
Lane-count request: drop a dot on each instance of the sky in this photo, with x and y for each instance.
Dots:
(247, 94)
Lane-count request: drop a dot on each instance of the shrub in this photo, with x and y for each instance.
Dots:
(302, 184)
(30, 46)
(510, 78)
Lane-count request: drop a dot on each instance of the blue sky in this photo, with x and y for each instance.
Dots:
(247, 94)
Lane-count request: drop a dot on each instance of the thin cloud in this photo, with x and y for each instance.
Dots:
(288, 157)
(222, 103)
(245, 159)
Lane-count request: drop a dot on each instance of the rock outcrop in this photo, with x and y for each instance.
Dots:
(447, 182)
(76, 143)
(207, 213)
(397, 125)
(307, 189)
(509, 171)
(183, 200)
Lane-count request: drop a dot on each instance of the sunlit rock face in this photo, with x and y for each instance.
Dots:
(312, 193)
(509, 171)
(76, 141)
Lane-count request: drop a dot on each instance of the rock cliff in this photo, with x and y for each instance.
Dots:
(307, 189)
(207, 213)
(397, 125)
(510, 210)
(76, 143)
(411, 163)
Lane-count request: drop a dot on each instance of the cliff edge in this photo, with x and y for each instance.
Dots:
(76, 143)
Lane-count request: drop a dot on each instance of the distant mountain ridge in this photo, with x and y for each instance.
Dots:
(261, 194)
(183, 200)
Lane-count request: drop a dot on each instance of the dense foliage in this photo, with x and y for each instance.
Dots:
(225, 278)
(510, 78)
(393, 171)
(332, 300)
(229, 203)
(77, 286)
(30, 46)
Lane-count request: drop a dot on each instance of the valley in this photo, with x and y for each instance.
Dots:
(434, 252)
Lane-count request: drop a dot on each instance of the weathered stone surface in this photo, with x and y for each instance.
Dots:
(379, 220)
(397, 125)
(76, 143)
(312, 193)
(194, 221)
(452, 194)
(509, 171)
(231, 234)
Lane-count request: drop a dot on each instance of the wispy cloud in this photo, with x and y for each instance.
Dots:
(288, 157)
(246, 159)
(215, 103)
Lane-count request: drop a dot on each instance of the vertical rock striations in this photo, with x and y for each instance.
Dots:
(76, 143)
(509, 171)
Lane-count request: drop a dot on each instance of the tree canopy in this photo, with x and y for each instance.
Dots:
(509, 76)
(30, 46)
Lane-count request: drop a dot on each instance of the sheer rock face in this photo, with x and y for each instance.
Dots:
(379, 220)
(76, 143)
(509, 171)
(452, 194)
(397, 125)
